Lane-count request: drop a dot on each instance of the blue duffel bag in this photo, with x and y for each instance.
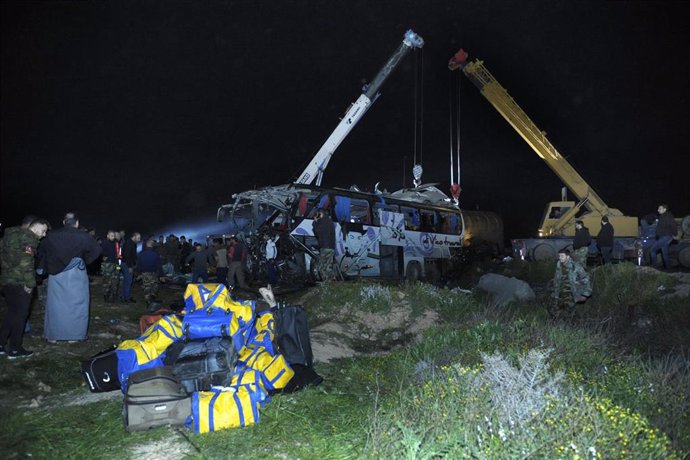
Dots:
(212, 322)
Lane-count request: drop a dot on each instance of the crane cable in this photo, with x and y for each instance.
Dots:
(450, 125)
(418, 123)
(421, 111)
(418, 116)
(457, 137)
(454, 128)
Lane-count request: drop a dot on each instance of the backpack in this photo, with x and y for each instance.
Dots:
(202, 364)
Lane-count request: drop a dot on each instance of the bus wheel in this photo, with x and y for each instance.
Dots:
(432, 273)
(544, 251)
(684, 257)
(413, 271)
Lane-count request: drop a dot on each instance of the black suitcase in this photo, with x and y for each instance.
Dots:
(292, 334)
(202, 364)
(100, 371)
(155, 398)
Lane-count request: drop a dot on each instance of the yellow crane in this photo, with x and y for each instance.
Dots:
(559, 216)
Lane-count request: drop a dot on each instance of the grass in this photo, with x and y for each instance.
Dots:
(70, 432)
(485, 382)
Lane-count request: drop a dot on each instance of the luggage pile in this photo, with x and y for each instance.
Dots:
(209, 368)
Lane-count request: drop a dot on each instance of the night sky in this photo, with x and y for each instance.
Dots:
(147, 115)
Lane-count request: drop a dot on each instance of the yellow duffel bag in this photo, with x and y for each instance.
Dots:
(145, 351)
(218, 410)
(274, 369)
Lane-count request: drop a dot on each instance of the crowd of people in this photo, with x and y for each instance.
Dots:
(63, 259)
(62, 262)
(572, 284)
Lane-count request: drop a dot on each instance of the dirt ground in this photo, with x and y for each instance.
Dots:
(33, 382)
(37, 381)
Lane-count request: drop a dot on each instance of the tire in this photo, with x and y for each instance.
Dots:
(413, 271)
(684, 256)
(544, 251)
(432, 273)
(685, 225)
(313, 272)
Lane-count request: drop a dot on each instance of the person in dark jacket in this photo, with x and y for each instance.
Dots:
(172, 255)
(324, 230)
(63, 255)
(129, 261)
(185, 250)
(237, 257)
(199, 261)
(605, 240)
(18, 280)
(581, 243)
(666, 230)
(150, 267)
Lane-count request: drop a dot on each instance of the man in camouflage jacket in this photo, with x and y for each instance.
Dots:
(571, 285)
(18, 280)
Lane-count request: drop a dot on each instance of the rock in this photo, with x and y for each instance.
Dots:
(43, 387)
(36, 402)
(504, 290)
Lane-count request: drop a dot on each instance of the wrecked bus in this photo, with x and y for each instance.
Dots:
(415, 233)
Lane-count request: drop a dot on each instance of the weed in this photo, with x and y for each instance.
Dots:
(375, 298)
(495, 410)
(520, 393)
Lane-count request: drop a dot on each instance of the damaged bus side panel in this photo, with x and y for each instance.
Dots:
(400, 235)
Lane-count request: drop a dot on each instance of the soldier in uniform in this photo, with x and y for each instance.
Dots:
(18, 280)
(571, 285)
(150, 268)
(110, 267)
(324, 230)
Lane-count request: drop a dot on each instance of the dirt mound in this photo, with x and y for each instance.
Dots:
(355, 332)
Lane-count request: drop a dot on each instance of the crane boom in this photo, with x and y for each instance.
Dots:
(497, 95)
(318, 164)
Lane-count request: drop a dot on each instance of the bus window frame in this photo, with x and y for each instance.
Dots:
(382, 207)
(360, 204)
